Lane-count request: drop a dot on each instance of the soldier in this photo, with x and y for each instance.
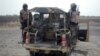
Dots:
(73, 17)
(25, 19)
(74, 14)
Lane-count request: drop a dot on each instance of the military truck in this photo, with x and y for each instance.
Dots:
(50, 33)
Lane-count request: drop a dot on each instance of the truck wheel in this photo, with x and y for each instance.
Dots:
(31, 53)
(66, 54)
(36, 54)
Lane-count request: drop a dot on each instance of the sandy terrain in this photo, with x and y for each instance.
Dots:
(9, 38)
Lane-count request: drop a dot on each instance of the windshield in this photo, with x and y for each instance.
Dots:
(50, 20)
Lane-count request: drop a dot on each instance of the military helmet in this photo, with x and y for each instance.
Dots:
(25, 6)
(73, 6)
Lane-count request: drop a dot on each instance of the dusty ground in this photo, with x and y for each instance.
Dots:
(9, 38)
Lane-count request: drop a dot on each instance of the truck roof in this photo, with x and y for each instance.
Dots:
(47, 10)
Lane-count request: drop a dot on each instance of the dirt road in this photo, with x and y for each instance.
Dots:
(9, 38)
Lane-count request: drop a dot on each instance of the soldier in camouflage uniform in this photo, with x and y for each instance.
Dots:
(25, 20)
(73, 17)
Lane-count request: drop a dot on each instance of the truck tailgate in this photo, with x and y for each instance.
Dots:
(44, 46)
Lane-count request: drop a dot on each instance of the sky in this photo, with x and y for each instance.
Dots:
(86, 7)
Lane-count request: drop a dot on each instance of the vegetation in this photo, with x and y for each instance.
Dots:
(12, 20)
(9, 18)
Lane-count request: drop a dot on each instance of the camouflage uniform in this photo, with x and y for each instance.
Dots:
(25, 20)
(73, 17)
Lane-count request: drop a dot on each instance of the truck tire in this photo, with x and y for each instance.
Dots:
(31, 53)
(66, 54)
(36, 54)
